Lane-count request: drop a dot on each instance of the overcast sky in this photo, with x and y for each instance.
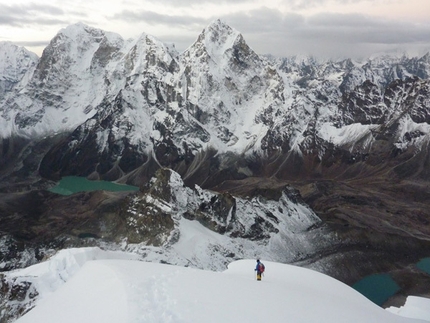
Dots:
(323, 28)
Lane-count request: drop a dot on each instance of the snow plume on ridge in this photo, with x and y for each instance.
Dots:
(115, 290)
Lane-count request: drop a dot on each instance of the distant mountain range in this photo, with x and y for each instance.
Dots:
(130, 104)
(346, 141)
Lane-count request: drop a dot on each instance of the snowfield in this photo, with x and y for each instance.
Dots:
(90, 285)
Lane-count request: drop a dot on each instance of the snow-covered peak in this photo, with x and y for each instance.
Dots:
(78, 29)
(16, 66)
(68, 83)
(425, 58)
(219, 37)
(214, 41)
(146, 55)
(11, 55)
(78, 40)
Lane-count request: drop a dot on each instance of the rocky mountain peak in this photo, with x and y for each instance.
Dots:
(67, 81)
(16, 66)
(422, 68)
(73, 49)
(425, 58)
(13, 56)
(218, 34)
(148, 55)
(214, 41)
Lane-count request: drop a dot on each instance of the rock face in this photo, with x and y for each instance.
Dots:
(40, 221)
(220, 136)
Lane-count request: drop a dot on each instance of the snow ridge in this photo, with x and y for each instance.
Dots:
(113, 290)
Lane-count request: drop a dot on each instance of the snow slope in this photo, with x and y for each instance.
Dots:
(415, 307)
(118, 290)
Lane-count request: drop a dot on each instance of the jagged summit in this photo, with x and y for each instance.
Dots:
(426, 57)
(14, 59)
(217, 33)
(223, 44)
(219, 36)
(16, 67)
(215, 40)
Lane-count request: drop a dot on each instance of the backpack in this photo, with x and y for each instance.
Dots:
(261, 267)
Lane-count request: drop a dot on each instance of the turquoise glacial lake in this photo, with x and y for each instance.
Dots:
(424, 265)
(73, 184)
(378, 288)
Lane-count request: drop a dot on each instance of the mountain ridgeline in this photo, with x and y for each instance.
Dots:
(351, 137)
(214, 113)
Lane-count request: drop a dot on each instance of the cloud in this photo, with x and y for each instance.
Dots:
(188, 3)
(268, 30)
(46, 9)
(36, 47)
(154, 18)
(20, 15)
(264, 20)
(355, 28)
(327, 34)
(306, 4)
(343, 20)
(41, 43)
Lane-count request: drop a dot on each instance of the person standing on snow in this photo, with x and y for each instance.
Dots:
(259, 268)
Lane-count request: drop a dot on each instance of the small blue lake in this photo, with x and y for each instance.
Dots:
(73, 184)
(424, 265)
(378, 288)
